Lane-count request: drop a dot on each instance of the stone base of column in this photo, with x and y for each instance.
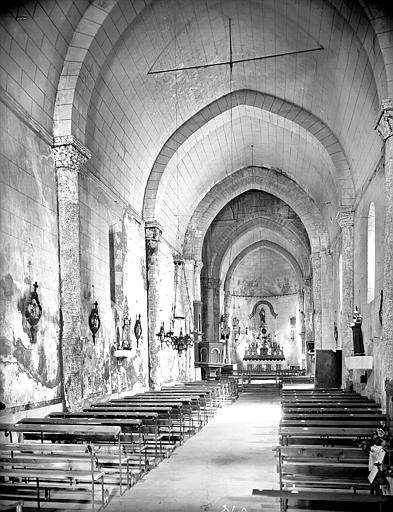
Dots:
(328, 365)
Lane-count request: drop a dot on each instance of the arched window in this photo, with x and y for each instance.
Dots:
(340, 279)
(371, 253)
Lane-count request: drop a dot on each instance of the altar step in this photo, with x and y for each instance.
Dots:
(265, 385)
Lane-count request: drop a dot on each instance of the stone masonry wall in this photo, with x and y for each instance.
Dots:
(109, 231)
(29, 370)
(165, 363)
(371, 326)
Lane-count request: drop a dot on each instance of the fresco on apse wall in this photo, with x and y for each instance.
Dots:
(265, 274)
(271, 275)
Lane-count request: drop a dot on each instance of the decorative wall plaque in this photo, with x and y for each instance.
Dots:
(33, 312)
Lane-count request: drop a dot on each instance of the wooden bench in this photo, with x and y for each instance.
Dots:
(353, 500)
(206, 406)
(31, 466)
(182, 414)
(307, 452)
(337, 415)
(146, 428)
(326, 435)
(319, 437)
(170, 415)
(120, 458)
(17, 506)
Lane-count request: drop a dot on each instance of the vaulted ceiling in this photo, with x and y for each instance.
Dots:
(295, 118)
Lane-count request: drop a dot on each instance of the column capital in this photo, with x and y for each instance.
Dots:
(345, 218)
(153, 232)
(69, 152)
(315, 257)
(384, 124)
(178, 259)
(198, 265)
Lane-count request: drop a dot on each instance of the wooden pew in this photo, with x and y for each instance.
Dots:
(354, 501)
(182, 410)
(114, 458)
(331, 410)
(326, 435)
(17, 506)
(337, 415)
(169, 417)
(322, 421)
(206, 406)
(319, 434)
(48, 473)
(149, 423)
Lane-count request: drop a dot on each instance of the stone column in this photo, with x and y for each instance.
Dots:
(189, 295)
(152, 238)
(308, 320)
(308, 310)
(69, 156)
(345, 221)
(317, 299)
(385, 129)
(300, 324)
(198, 327)
(327, 321)
(198, 265)
(211, 328)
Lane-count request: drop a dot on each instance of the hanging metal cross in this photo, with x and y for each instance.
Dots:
(231, 62)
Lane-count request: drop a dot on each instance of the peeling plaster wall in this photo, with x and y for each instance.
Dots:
(29, 371)
(101, 217)
(371, 326)
(166, 364)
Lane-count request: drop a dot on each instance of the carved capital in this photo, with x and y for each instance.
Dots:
(315, 258)
(153, 233)
(384, 125)
(345, 218)
(178, 259)
(198, 265)
(69, 152)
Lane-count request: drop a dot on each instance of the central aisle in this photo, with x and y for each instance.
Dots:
(216, 470)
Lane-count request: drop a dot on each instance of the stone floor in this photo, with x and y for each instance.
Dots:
(216, 470)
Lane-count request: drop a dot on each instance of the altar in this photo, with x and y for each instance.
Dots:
(263, 353)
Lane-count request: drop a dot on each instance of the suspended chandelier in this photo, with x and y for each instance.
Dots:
(181, 341)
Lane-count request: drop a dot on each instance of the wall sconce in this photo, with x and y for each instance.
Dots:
(138, 329)
(94, 320)
(33, 312)
(125, 329)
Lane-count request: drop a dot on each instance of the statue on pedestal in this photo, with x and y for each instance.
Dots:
(356, 326)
